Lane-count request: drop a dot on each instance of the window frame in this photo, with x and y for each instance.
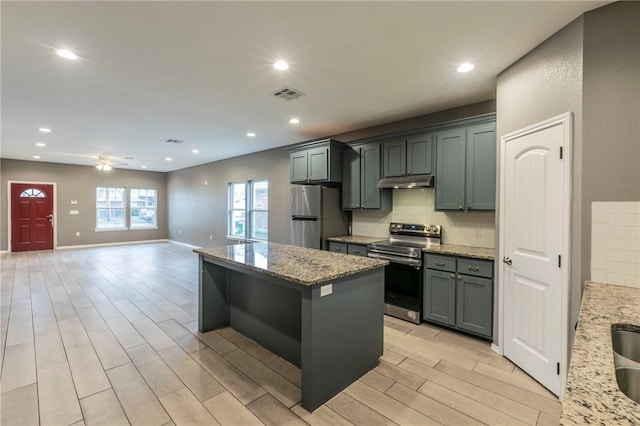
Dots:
(249, 210)
(123, 208)
(152, 225)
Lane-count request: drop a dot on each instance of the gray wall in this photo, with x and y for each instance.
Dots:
(198, 213)
(611, 111)
(591, 68)
(79, 183)
(544, 83)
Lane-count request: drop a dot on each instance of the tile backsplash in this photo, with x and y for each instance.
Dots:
(476, 229)
(615, 243)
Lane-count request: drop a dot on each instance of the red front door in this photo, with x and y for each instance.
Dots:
(31, 216)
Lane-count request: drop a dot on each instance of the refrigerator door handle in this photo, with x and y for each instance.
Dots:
(305, 218)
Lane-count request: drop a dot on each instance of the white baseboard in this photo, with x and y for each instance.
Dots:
(112, 244)
(496, 349)
(4, 251)
(184, 244)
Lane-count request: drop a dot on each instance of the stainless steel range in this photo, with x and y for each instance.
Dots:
(403, 277)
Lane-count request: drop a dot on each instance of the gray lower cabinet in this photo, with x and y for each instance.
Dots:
(361, 173)
(439, 296)
(348, 248)
(466, 168)
(458, 292)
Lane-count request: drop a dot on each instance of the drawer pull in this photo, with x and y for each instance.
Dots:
(453, 275)
(474, 268)
(439, 263)
(356, 251)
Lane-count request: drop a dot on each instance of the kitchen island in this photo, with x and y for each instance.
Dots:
(321, 311)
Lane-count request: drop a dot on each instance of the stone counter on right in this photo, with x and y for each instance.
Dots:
(592, 395)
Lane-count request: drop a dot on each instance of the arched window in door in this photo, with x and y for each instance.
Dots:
(32, 193)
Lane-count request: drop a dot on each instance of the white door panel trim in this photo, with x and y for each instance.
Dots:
(566, 121)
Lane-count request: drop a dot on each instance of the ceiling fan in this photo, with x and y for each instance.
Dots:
(106, 163)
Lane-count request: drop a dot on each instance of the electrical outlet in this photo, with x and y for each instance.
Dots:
(326, 290)
(211, 237)
(77, 234)
(179, 231)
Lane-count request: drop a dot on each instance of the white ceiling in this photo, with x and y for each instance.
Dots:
(202, 72)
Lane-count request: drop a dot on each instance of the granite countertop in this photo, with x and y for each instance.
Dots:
(299, 265)
(592, 395)
(465, 251)
(355, 239)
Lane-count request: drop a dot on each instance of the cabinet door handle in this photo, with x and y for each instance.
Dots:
(461, 207)
(507, 260)
(356, 251)
(469, 207)
(408, 172)
(459, 277)
(439, 263)
(453, 275)
(474, 268)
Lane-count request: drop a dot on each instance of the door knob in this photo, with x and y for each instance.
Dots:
(507, 260)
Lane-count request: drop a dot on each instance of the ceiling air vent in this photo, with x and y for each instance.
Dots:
(288, 93)
(176, 141)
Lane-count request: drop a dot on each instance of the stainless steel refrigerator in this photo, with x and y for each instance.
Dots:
(316, 215)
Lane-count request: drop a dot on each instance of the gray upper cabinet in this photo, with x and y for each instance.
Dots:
(361, 172)
(466, 168)
(412, 155)
(420, 154)
(316, 162)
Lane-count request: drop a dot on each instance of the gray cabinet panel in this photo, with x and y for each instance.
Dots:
(453, 296)
(481, 167)
(450, 170)
(395, 157)
(480, 268)
(351, 178)
(474, 303)
(298, 166)
(318, 164)
(357, 250)
(420, 155)
(362, 168)
(370, 175)
(337, 247)
(439, 297)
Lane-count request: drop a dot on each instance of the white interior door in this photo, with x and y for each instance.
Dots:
(534, 229)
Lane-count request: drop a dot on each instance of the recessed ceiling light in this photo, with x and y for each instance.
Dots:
(67, 54)
(466, 67)
(251, 135)
(195, 151)
(281, 65)
(294, 121)
(41, 144)
(143, 167)
(169, 159)
(36, 157)
(44, 130)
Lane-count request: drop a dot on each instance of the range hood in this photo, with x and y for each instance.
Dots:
(419, 181)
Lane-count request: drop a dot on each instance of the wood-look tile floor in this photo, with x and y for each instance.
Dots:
(109, 336)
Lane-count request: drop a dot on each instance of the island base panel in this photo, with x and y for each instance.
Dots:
(342, 336)
(213, 309)
(266, 313)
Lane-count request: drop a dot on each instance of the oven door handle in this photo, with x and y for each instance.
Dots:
(397, 259)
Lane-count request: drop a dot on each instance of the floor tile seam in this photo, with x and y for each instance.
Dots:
(509, 395)
(234, 367)
(372, 407)
(472, 397)
(434, 400)
(471, 415)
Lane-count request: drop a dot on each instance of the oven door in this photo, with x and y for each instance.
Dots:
(403, 291)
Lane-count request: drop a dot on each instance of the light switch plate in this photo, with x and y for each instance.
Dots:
(326, 290)
(74, 212)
